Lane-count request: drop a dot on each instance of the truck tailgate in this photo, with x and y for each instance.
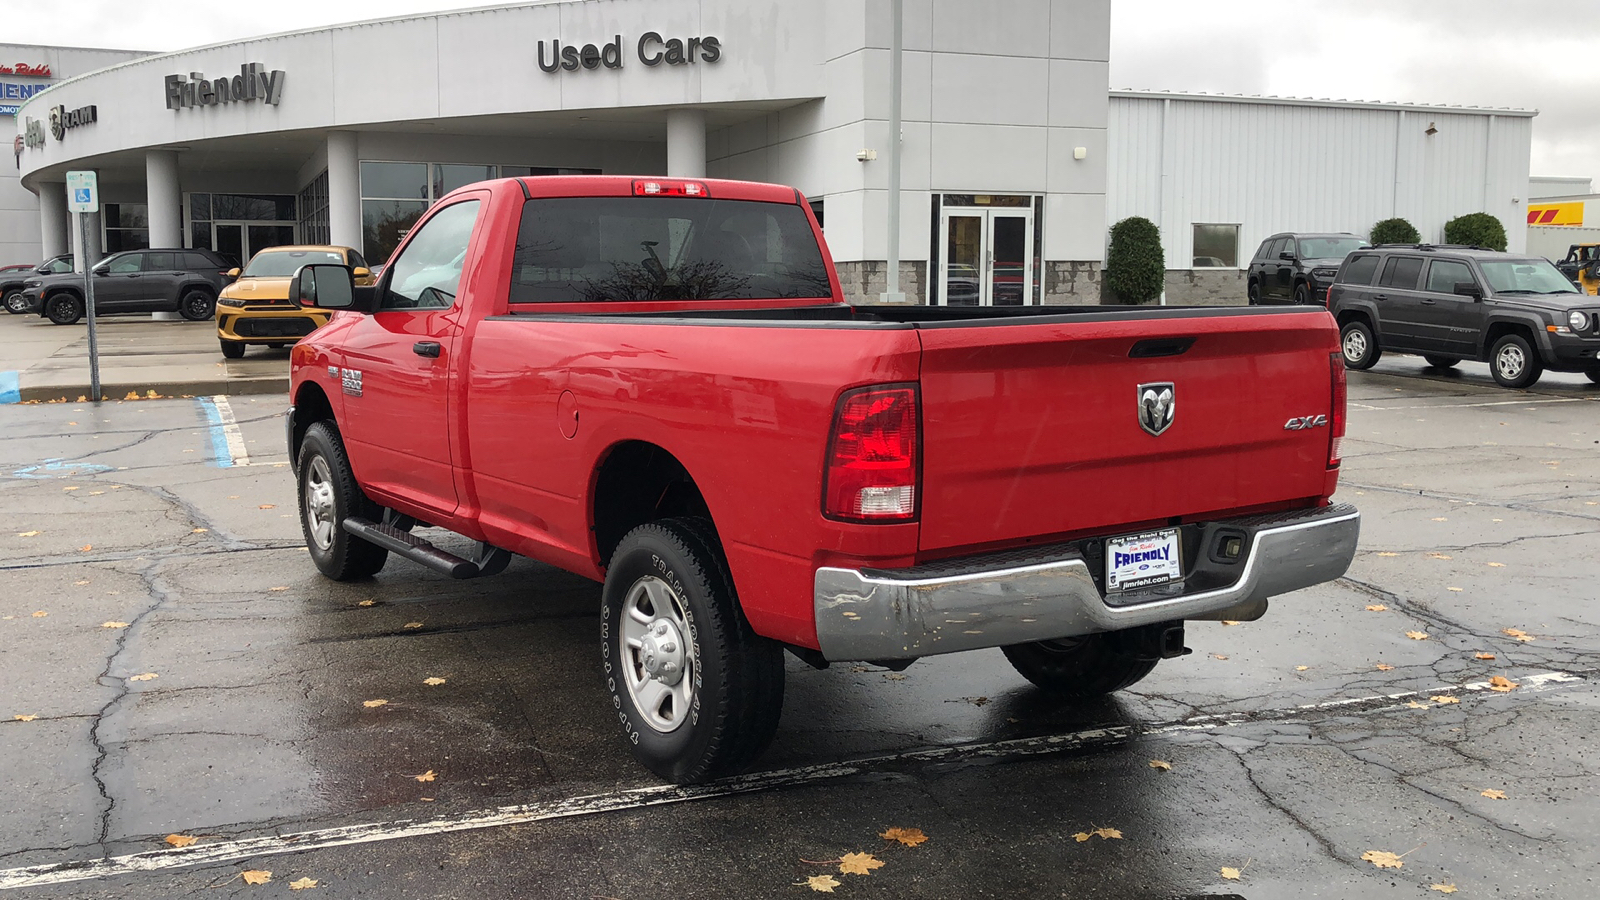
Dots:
(1032, 429)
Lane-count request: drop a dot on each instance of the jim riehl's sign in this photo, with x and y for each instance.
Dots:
(253, 82)
(652, 50)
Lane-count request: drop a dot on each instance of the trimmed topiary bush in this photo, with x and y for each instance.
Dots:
(1477, 229)
(1136, 267)
(1394, 231)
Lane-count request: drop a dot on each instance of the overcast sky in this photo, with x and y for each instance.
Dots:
(1532, 54)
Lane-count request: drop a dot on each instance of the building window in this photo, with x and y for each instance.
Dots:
(314, 211)
(1216, 246)
(816, 210)
(127, 227)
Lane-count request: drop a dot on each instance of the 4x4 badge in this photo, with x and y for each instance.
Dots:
(1157, 406)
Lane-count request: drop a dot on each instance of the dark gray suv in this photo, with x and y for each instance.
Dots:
(1516, 313)
(183, 281)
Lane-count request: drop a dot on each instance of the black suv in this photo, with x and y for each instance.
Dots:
(182, 281)
(1297, 268)
(11, 283)
(1449, 303)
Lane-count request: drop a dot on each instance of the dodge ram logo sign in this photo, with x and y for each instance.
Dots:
(1156, 406)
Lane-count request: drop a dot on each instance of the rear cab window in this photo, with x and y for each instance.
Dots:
(1402, 272)
(631, 249)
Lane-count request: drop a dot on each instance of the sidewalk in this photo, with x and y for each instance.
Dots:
(41, 361)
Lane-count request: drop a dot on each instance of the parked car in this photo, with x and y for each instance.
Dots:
(12, 279)
(1297, 268)
(752, 465)
(183, 281)
(1517, 313)
(255, 308)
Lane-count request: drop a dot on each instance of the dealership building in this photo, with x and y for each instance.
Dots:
(1016, 154)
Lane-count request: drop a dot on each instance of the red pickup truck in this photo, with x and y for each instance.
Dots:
(655, 383)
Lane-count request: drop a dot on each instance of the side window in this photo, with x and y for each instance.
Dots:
(356, 262)
(158, 262)
(124, 265)
(1359, 269)
(200, 262)
(1264, 252)
(1402, 272)
(427, 273)
(1444, 275)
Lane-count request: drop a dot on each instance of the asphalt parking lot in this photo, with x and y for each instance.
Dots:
(174, 665)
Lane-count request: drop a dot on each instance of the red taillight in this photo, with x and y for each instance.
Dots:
(1336, 435)
(660, 187)
(872, 457)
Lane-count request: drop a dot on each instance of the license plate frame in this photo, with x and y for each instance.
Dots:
(1142, 570)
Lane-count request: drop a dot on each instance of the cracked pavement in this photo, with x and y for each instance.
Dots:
(1481, 513)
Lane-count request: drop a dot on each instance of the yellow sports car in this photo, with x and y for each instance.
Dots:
(255, 308)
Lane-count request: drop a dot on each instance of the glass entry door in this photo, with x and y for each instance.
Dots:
(988, 257)
(242, 240)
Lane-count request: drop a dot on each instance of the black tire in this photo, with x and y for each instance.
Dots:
(15, 303)
(197, 305)
(232, 349)
(1252, 293)
(1302, 293)
(1441, 362)
(1359, 345)
(1514, 363)
(63, 309)
(322, 463)
(1593, 375)
(723, 710)
(1082, 667)
(277, 346)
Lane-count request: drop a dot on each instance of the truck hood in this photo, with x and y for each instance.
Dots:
(1547, 302)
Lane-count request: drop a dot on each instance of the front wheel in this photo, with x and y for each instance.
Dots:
(1441, 362)
(1302, 293)
(1514, 363)
(15, 303)
(697, 692)
(232, 349)
(329, 494)
(1081, 667)
(1359, 345)
(63, 309)
(1593, 375)
(196, 305)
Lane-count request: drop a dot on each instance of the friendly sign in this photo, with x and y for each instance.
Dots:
(83, 192)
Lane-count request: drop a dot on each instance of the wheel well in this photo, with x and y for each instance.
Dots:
(197, 286)
(637, 483)
(1350, 315)
(1498, 330)
(70, 292)
(310, 406)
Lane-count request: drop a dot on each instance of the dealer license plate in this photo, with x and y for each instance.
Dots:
(1137, 560)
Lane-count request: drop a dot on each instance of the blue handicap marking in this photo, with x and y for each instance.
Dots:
(80, 195)
(10, 388)
(56, 468)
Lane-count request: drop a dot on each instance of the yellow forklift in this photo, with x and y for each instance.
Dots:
(1582, 267)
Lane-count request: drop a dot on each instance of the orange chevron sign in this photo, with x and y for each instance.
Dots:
(1555, 214)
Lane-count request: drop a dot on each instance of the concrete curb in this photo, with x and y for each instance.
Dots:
(164, 389)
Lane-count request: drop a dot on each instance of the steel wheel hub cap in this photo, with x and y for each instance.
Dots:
(319, 503)
(662, 652)
(1354, 345)
(659, 662)
(1511, 362)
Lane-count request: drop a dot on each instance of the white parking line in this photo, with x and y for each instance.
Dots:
(227, 443)
(639, 798)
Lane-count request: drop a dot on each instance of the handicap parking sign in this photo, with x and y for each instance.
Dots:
(83, 195)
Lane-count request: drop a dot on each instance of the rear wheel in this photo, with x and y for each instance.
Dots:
(329, 494)
(1441, 362)
(63, 309)
(1359, 345)
(1253, 293)
(15, 303)
(1089, 666)
(196, 305)
(1514, 363)
(232, 349)
(697, 692)
(1593, 375)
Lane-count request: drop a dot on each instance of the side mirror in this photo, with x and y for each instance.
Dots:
(323, 287)
(1286, 255)
(233, 272)
(1468, 289)
(101, 269)
(361, 272)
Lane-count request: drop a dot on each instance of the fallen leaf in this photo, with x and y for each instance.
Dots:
(1501, 683)
(1483, 656)
(1439, 556)
(1376, 607)
(146, 676)
(133, 395)
(1497, 565)
(1443, 888)
(894, 676)
(279, 588)
(821, 883)
(198, 531)
(413, 625)
(1383, 859)
(268, 506)
(113, 624)
(1301, 668)
(1081, 836)
(181, 840)
(302, 884)
(1440, 519)
(366, 603)
(152, 395)
(1229, 622)
(1387, 553)
(1161, 764)
(1415, 705)
(1444, 698)
(1384, 667)
(256, 876)
(1230, 873)
(1417, 635)
(25, 718)
(1218, 656)
(96, 493)
(27, 534)
(1517, 633)
(908, 836)
(432, 681)
(80, 583)
(859, 864)
(373, 704)
(425, 776)
(1109, 833)
(39, 614)
(1494, 794)
(1456, 589)
(72, 488)
(85, 548)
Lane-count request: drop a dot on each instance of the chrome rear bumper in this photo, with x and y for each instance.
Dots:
(1047, 593)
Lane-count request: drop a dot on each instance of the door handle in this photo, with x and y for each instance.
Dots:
(1380, 296)
(1429, 301)
(429, 349)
